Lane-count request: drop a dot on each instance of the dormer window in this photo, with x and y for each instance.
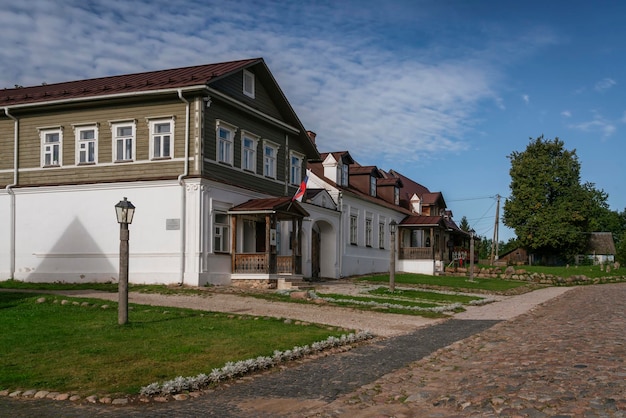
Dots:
(396, 196)
(344, 175)
(248, 84)
(373, 186)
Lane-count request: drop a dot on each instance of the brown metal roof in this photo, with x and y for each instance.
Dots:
(356, 169)
(410, 187)
(422, 220)
(128, 83)
(271, 204)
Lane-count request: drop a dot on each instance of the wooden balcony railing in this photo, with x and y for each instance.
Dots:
(251, 263)
(284, 264)
(416, 253)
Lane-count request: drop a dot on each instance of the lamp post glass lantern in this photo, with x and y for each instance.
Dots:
(393, 226)
(124, 211)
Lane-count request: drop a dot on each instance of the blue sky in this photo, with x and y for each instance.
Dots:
(441, 91)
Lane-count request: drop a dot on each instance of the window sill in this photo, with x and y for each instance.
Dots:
(50, 166)
(123, 161)
(160, 158)
(83, 164)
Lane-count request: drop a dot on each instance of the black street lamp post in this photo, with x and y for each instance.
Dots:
(124, 211)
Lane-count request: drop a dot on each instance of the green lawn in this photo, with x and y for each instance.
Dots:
(82, 349)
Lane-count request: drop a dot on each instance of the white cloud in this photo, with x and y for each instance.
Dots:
(597, 125)
(566, 114)
(605, 84)
(354, 89)
(526, 98)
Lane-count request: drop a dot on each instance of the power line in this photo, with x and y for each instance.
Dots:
(473, 198)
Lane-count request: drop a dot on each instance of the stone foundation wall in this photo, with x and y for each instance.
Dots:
(262, 284)
(511, 273)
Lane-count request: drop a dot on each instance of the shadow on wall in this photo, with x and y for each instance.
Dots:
(75, 257)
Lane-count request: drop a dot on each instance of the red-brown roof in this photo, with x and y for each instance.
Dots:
(128, 83)
(422, 220)
(271, 204)
(410, 187)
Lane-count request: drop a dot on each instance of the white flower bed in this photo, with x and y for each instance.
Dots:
(240, 368)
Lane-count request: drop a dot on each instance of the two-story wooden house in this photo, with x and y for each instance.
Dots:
(210, 156)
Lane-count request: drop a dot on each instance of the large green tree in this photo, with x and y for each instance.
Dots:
(549, 209)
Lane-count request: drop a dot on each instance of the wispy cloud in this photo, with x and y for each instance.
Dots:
(354, 88)
(526, 98)
(598, 124)
(566, 114)
(604, 84)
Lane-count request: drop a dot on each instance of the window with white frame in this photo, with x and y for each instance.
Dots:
(270, 154)
(372, 186)
(354, 229)
(248, 83)
(51, 146)
(86, 144)
(396, 196)
(381, 235)
(221, 233)
(295, 168)
(161, 138)
(368, 232)
(123, 141)
(248, 151)
(225, 142)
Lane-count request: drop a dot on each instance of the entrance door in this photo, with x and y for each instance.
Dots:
(315, 254)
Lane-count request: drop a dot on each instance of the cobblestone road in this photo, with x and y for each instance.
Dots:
(565, 358)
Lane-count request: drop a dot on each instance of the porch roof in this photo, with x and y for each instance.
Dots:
(281, 205)
(422, 220)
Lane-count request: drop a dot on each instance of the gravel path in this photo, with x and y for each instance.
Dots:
(380, 324)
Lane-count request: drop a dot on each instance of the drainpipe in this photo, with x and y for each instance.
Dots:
(183, 195)
(287, 165)
(9, 190)
(342, 244)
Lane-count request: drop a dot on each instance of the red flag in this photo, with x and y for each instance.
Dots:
(300, 193)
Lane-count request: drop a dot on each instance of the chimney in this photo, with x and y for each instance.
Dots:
(312, 136)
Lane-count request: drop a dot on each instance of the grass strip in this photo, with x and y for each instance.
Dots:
(456, 283)
(78, 347)
(425, 295)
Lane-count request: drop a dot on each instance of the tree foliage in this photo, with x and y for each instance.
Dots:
(464, 224)
(549, 209)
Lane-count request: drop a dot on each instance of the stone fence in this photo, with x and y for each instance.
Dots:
(511, 273)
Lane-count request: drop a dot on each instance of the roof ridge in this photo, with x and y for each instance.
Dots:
(118, 76)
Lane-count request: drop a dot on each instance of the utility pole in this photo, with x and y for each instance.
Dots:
(494, 243)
